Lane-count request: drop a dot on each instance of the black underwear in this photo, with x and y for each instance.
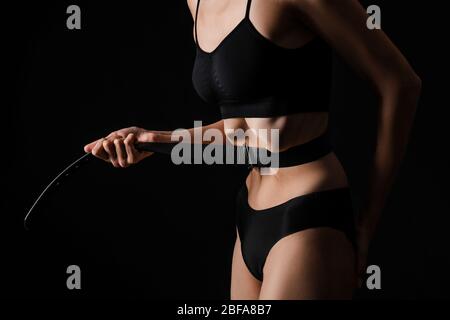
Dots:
(260, 230)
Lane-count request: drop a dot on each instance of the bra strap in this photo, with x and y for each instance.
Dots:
(195, 22)
(247, 11)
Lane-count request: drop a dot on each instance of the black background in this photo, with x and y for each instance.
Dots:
(158, 230)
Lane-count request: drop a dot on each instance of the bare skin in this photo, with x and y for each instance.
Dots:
(319, 262)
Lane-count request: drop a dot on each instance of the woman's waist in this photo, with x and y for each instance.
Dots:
(289, 182)
(276, 134)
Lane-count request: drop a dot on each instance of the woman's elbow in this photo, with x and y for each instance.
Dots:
(403, 84)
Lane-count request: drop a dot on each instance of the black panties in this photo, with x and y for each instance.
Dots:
(259, 230)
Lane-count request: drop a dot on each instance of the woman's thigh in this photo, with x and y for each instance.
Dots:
(244, 286)
(317, 263)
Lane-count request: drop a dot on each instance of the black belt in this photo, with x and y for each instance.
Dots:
(251, 156)
(241, 155)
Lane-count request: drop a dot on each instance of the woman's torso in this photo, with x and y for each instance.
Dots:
(276, 26)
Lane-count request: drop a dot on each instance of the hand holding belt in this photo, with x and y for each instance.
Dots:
(297, 155)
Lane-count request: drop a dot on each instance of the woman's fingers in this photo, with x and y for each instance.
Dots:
(121, 152)
(110, 149)
(119, 149)
(90, 146)
(98, 150)
(130, 149)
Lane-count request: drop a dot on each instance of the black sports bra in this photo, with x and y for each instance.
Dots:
(248, 75)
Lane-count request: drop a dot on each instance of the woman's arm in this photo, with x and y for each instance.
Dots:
(118, 147)
(171, 136)
(375, 58)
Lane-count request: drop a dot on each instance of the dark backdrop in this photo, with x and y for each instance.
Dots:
(158, 230)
